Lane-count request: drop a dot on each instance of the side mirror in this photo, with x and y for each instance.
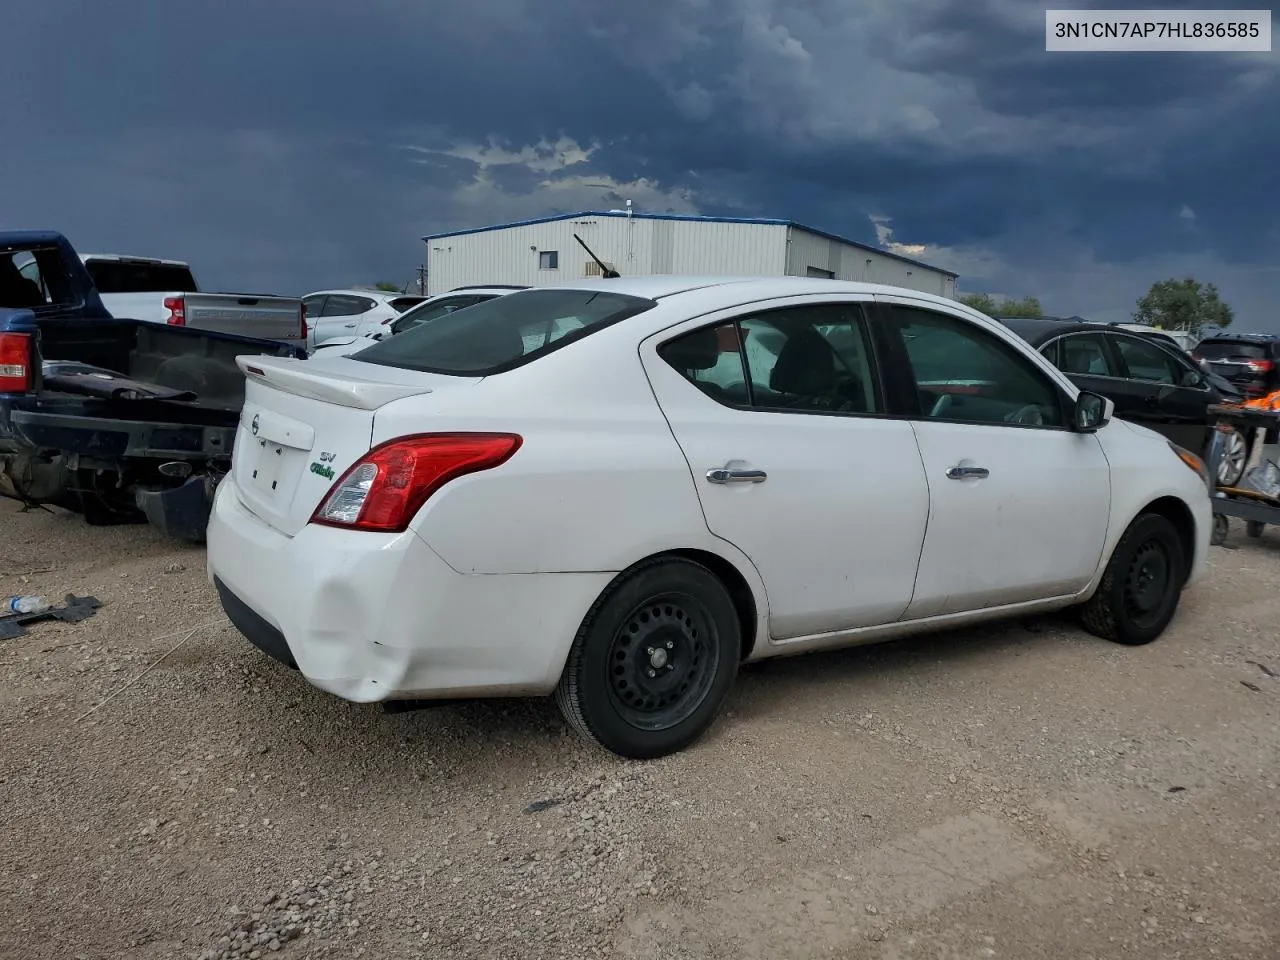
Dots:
(1192, 378)
(1092, 412)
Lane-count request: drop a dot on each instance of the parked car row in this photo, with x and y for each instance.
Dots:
(616, 491)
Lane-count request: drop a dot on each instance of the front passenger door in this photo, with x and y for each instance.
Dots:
(1161, 392)
(1019, 503)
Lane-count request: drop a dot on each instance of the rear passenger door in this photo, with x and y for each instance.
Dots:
(781, 416)
(341, 316)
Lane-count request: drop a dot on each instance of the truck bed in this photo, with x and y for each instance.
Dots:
(179, 358)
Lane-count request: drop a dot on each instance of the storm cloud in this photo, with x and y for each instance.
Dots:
(287, 146)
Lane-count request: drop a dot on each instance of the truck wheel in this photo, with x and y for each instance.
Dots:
(653, 660)
(1141, 586)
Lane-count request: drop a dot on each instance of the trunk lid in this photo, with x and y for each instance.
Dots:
(305, 422)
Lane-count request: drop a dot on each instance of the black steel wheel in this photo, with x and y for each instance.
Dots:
(653, 661)
(1142, 584)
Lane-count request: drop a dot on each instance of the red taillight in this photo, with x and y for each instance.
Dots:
(386, 487)
(1261, 366)
(177, 307)
(302, 320)
(16, 372)
(388, 320)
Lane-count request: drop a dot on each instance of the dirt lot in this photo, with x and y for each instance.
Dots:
(1025, 791)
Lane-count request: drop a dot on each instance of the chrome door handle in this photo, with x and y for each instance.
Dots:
(726, 475)
(349, 326)
(967, 473)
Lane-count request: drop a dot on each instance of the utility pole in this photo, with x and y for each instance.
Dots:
(422, 280)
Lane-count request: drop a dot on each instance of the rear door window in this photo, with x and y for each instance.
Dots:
(1085, 355)
(339, 305)
(34, 278)
(504, 332)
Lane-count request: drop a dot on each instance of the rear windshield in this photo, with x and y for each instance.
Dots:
(122, 276)
(504, 332)
(401, 304)
(1228, 350)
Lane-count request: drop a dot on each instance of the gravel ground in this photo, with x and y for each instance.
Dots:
(1021, 791)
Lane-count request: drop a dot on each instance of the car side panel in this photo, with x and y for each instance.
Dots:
(1142, 472)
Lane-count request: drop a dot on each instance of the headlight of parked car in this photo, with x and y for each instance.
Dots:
(1195, 463)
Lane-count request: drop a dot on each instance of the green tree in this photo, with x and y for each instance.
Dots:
(985, 303)
(1183, 305)
(387, 287)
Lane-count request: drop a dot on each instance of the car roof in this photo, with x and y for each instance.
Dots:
(124, 258)
(1240, 337)
(357, 292)
(1038, 330)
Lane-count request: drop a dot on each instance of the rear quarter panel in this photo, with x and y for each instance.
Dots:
(598, 484)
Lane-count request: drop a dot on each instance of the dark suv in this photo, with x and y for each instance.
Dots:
(1250, 361)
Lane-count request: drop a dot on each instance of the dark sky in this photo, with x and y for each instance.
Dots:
(285, 146)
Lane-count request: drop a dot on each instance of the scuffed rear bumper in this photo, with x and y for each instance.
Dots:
(371, 617)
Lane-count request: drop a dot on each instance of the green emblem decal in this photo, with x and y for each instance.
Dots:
(323, 470)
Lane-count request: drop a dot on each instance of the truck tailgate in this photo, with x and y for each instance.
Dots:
(266, 318)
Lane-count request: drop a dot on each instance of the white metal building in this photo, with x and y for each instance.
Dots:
(542, 251)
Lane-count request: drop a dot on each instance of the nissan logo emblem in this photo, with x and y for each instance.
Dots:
(254, 426)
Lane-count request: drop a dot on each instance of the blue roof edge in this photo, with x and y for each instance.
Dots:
(763, 221)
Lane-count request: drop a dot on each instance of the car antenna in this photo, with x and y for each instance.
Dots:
(607, 272)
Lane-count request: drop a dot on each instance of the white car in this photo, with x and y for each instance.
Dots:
(424, 312)
(352, 313)
(619, 490)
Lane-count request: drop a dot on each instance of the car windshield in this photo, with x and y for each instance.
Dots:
(504, 332)
(1230, 350)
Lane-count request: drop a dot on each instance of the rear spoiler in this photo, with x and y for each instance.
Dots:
(304, 379)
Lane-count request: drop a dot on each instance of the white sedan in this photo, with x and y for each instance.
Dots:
(618, 491)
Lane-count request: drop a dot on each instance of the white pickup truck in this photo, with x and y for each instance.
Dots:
(165, 291)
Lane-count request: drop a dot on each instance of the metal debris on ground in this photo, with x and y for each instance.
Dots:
(73, 609)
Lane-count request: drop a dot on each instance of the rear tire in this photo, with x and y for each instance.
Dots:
(653, 661)
(1141, 586)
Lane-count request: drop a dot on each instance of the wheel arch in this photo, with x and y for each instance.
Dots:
(1176, 511)
(733, 579)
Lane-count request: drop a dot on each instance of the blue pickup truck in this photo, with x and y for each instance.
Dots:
(123, 421)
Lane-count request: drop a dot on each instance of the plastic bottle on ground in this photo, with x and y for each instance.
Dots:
(25, 605)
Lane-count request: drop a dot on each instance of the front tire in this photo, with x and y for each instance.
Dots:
(653, 661)
(1141, 586)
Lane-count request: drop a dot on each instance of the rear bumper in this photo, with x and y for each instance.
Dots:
(371, 617)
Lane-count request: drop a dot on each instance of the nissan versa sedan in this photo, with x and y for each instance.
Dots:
(618, 491)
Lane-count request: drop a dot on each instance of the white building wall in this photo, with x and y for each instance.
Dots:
(849, 262)
(640, 246)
